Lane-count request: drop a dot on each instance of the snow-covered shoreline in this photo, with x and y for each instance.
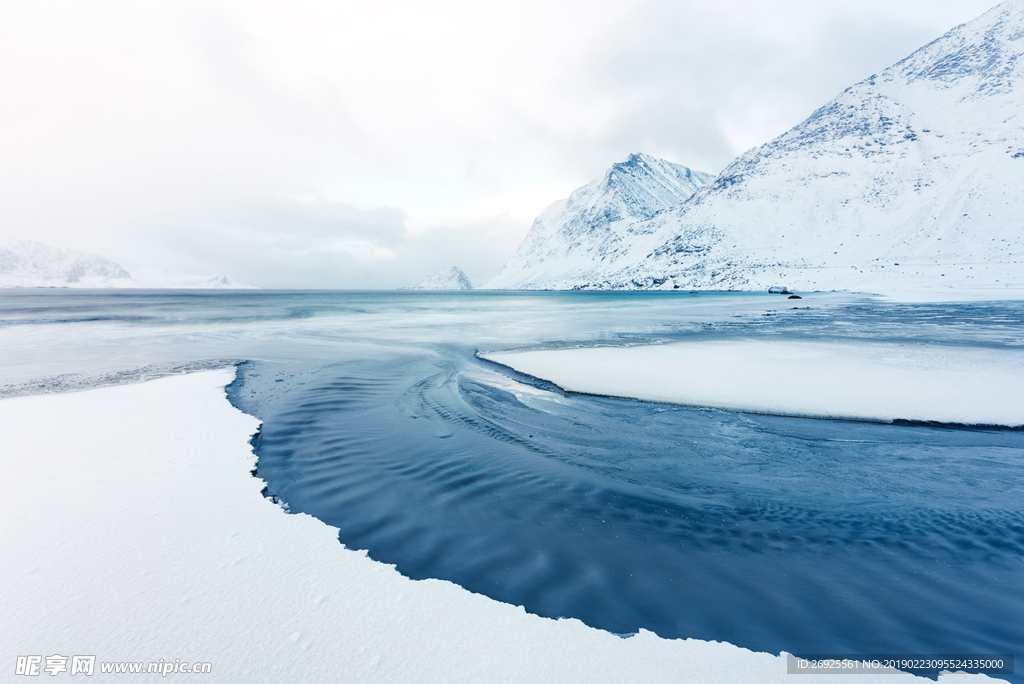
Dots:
(134, 531)
(845, 380)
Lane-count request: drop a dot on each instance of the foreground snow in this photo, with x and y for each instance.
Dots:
(134, 531)
(865, 381)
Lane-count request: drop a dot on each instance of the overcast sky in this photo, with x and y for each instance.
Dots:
(364, 144)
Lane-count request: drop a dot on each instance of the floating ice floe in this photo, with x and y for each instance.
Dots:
(848, 380)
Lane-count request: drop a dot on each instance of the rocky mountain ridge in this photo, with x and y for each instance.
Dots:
(601, 225)
(909, 180)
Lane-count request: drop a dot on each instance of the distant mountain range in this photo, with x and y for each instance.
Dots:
(911, 179)
(24, 263)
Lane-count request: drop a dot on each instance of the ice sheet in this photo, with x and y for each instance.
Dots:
(850, 380)
(134, 531)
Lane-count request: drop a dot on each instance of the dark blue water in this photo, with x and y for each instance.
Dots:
(772, 533)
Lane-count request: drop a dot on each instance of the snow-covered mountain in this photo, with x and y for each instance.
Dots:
(24, 263)
(600, 227)
(449, 278)
(912, 179)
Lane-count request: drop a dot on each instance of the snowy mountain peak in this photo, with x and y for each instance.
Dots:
(956, 85)
(598, 223)
(449, 278)
(908, 180)
(978, 57)
(643, 185)
(24, 263)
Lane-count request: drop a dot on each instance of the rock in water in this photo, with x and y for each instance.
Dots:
(449, 278)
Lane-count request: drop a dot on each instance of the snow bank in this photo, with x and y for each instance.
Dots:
(134, 531)
(863, 381)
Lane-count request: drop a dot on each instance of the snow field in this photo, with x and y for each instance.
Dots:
(848, 380)
(134, 531)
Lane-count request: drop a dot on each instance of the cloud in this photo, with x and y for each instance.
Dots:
(317, 243)
(700, 83)
(316, 143)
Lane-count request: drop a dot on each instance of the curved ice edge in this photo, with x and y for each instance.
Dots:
(879, 382)
(949, 426)
(723, 669)
(222, 566)
(77, 382)
(542, 383)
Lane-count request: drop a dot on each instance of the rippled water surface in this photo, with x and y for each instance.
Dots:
(772, 533)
